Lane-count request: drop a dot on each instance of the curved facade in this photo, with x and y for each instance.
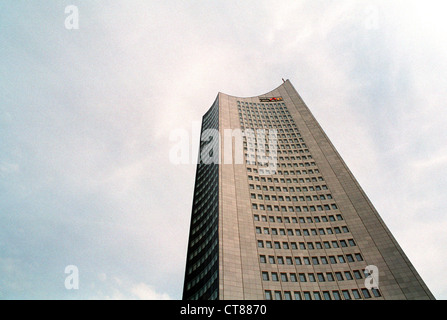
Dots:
(288, 221)
(201, 278)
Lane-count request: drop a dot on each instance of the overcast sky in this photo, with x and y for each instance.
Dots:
(86, 116)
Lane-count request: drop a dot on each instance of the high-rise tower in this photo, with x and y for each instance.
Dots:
(278, 215)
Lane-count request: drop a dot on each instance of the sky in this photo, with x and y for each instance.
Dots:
(87, 111)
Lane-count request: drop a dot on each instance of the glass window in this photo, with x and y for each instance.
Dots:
(339, 276)
(321, 277)
(376, 292)
(348, 275)
(346, 295)
(356, 294)
(336, 295)
(366, 293)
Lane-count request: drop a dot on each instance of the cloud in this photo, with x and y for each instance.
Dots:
(115, 288)
(86, 118)
(8, 168)
(145, 292)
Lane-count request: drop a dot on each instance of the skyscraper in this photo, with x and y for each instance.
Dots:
(277, 214)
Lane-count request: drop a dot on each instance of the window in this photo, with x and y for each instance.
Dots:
(321, 277)
(275, 276)
(376, 292)
(307, 295)
(278, 295)
(366, 293)
(302, 277)
(262, 259)
(317, 295)
(346, 295)
(293, 277)
(311, 277)
(265, 276)
(268, 295)
(297, 295)
(339, 276)
(327, 295)
(284, 277)
(336, 295)
(348, 275)
(356, 294)
(287, 295)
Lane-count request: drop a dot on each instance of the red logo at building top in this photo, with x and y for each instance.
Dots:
(274, 99)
